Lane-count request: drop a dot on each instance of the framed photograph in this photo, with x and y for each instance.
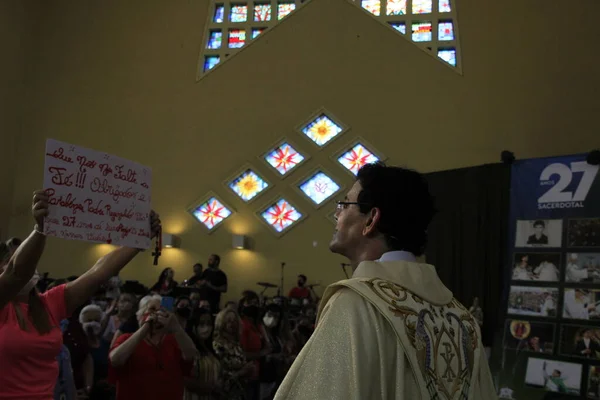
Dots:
(554, 376)
(539, 233)
(580, 341)
(593, 387)
(534, 337)
(533, 301)
(581, 304)
(582, 268)
(583, 232)
(542, 267)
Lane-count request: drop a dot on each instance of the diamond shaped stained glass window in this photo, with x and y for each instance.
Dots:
(211, 213)
(321, 130)
(284, 158)
(248, 185)
(281, 215)
(319, 187)
(356, 157)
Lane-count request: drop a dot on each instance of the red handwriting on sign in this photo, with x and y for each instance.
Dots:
(69, 221)
(102, 186)
(58, 154)
(144, 233)
(141, 216)
(144, 185)
(60, 178)
(94, 208)
(85, 163)
(49, 220)
(99, 237)
(70, 235)
(105, 169)
(129, 176)
(124, 230)
(67, 202)
(142, 197)
(118, 215)
(84, 225)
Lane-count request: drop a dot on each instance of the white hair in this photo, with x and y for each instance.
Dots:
(144, 304)
(91, 307)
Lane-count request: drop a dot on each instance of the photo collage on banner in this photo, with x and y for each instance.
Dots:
(553, 302)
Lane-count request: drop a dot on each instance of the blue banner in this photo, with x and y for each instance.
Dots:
(551, 335)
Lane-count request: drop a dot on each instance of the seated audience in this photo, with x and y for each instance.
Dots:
(165, 284)
(236, 369)
(205, 382)
(153, 362)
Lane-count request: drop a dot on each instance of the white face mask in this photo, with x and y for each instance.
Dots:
(269, 321)
(93, 325)
(30, 285)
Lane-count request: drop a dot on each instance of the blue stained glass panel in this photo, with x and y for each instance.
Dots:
(219, 14)
(210, 62)
(239, 13)
(319, 187)
(214, 40)
(399, 26)
(448, 55)
(445, 31)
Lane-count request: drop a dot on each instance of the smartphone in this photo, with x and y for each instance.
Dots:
(167, 303)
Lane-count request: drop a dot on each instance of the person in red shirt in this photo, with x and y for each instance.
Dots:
(300, 292)
(253, 340)
(30, 334)
(151, 364)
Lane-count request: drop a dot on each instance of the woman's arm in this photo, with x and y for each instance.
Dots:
(119, 356)
(22, 264)
(185, 343)
(78, 291)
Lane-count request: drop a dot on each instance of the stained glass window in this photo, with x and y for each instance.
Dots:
(211, 213)
(262, 12)
(445, 30)
(284, 158)
(444, 6)
(319, 187)
(448, 55)
(356, 157)
(257, 31)
(281, 215)
(321, 130)
(421, 31)
(239, 13)
(237, 38)
(210, 62)
(219, 13)
(214, 40)
(422, 6)
(372, 6)
(248, 185)
(284, 9)
(399, 26)
(396, 7)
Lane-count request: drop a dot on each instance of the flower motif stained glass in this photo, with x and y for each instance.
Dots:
(262, 12)
(237, 38)
(321, 130)
(283, 9)
(399, 26)
(257, 31)
(372, 6)
(448, 55)
(445, 31)
(355, 158)
(284, 158)
(211, 213)
(444, 6)
(319, 187)
(281, 215)
(248, 185)
(214, 40)
(421, 31)
(219, 14)
(210, 62)
(395, 7)
(239, 13)
(422, 6)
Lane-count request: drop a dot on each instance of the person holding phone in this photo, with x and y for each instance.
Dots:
(30, 334)
(153, 362)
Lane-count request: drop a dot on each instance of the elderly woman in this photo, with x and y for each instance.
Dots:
(153, 362)
(30, 322)
(236, 369)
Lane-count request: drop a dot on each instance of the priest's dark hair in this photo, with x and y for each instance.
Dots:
(403, 199)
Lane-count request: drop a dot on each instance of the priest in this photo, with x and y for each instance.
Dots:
(392, 331)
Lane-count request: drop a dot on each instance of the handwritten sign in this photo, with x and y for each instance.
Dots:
(96, 197)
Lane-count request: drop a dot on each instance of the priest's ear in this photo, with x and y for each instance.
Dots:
(372, 221)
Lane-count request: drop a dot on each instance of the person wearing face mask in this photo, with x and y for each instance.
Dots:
(183, 310)
(151, 364)
(96, 366)
(205, 381)
(253, 340)
(30, 335)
